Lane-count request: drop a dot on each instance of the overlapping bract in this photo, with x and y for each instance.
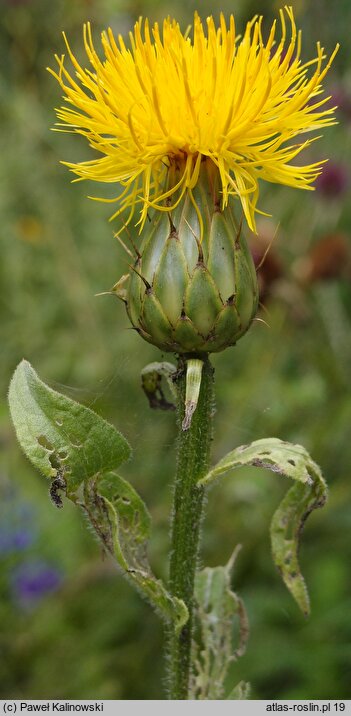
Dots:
(172, 99)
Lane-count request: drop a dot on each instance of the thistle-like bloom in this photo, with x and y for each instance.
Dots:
(174, 99)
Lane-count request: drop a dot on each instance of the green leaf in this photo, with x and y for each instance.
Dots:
(309, 492)
(216, 608)
(122, 521)
(151, 383)
(241, 692)
(59, 435)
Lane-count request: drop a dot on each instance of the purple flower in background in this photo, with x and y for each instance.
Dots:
(34, 579)
(333, 181)
(341, 97)
(15, 540)
(17, 522)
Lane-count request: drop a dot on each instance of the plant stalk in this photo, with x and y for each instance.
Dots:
(192, 464)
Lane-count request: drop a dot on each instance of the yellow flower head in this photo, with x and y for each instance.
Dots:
(171, 100)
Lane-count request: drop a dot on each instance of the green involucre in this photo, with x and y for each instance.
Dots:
(185, 295)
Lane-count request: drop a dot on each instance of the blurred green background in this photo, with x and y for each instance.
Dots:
(71, 627)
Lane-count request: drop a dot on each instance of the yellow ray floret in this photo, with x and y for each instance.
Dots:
(171, 100)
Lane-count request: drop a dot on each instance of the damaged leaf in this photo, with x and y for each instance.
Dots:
(59, 436)
(217, 607)
(122, 521)
(309, 492)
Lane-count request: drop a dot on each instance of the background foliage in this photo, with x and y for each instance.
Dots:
(70, 626)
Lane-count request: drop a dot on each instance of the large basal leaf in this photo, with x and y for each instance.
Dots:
(308, 493)
(122, 521)
(71, 444)
(59, 435)
(217, 606)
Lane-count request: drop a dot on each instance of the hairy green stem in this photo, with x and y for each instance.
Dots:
(192, 463)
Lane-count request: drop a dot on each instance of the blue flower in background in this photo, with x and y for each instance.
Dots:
(15, 540)
(30, 577)
(34, 579)
(17, 520)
